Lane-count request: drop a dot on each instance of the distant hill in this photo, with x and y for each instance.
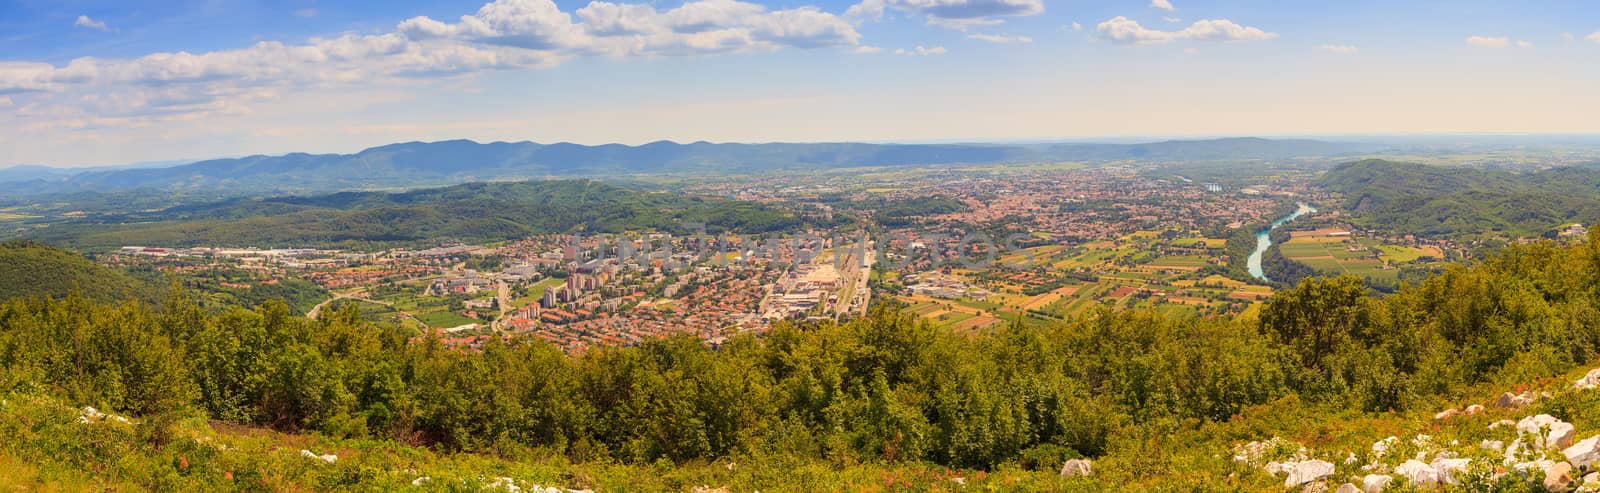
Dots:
(1432, 200)
(31, 172)
(473, 212)
(28, 269)
(458, 161)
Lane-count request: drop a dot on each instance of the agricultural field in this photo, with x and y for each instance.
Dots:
(1154, 270)
(1336, 254)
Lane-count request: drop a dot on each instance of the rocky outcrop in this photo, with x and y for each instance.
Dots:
(328, 458)
(92, 415)
(1375, 483)
(1589, 381)
(1546, 431)
(1305, 472)
(1513, 401)
(1558, 477)
(1584, 453)
(1417, 473)
(1077, 467)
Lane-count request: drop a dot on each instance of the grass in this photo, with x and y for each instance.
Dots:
(445, 319)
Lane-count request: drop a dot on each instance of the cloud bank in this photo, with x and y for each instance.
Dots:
(1122, 30)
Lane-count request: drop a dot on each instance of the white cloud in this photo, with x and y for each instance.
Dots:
(1163, 5)
(702, 26)
(1174, 20)
(921, 51)
(85, 21)
(1340, 49)
(866, 50)
(1489, 42)
(1000, 38)
(1594, 36)
(1076, 27)
(5, 102)
(1123, 30)
(502, 35)
(954, 14)
(306, 13)
(1524, 44)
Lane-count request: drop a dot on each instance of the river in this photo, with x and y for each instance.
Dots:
(1264, 240)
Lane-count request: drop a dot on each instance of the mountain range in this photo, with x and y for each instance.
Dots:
(457, 161)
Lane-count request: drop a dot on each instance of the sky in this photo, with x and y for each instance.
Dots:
(86, 83)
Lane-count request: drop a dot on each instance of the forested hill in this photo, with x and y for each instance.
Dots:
(458, 161)
(30, 269)
(1431, 200)
(474, 212)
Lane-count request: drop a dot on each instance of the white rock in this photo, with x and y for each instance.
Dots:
(420, 481)
(1589, 380)
(1536, 465)
(1374, 483)
(1275, 468)
(1449, 471)
(1417, 473)
(1584, 453)
(1347, 488)
(1512, 401)
(328, 458)
(1474, 409)
(1446, 414)
(1548, 431)
(503, 483)
(1381, 447)
(1496, 445)
(1308, 471)
(1077, 467)
(1558, 477)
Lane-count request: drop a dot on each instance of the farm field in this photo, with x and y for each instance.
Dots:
(1361, 257)
(1154, 269)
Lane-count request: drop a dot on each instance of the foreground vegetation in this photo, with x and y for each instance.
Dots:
(879, 403)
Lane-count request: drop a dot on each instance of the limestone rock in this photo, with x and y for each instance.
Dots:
(1449, 471)
(1584, 453)
(1347, 488)
(1589, 380)
(1418, 473)
(1548, 431)
(1374, 483)
(1558, 477)
(1446, 414)
(1512, 401)
(1077, 467)
(328, 458)
(1473, 409)
(1308, 471)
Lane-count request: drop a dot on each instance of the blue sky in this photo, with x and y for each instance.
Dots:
(90, 82)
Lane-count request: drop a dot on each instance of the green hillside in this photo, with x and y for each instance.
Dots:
(475, 212)
(31, 269)
(1429, 200)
